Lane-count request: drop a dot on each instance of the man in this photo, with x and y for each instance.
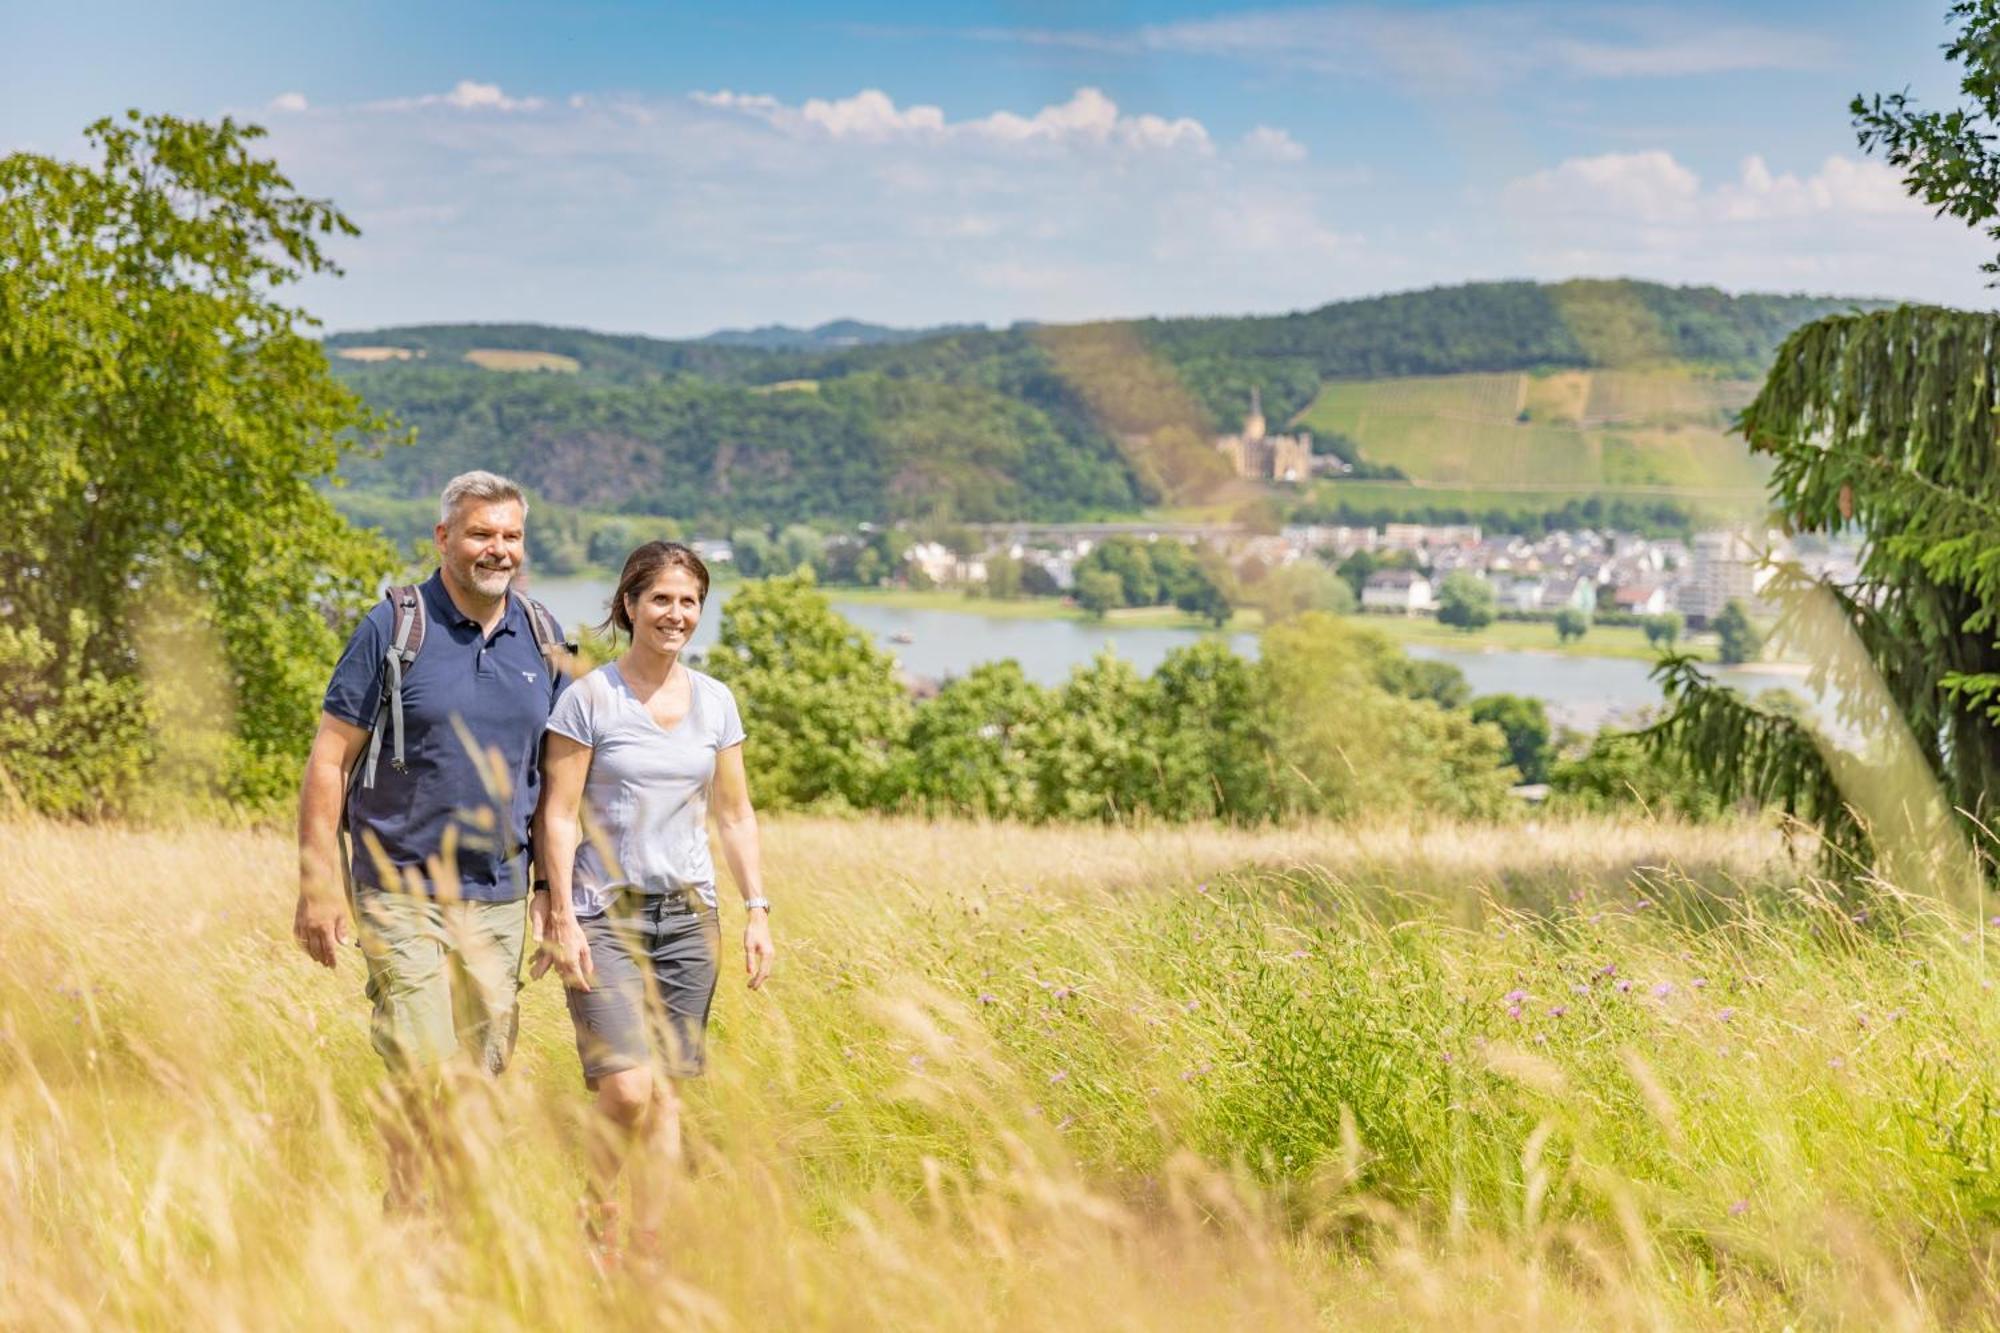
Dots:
(438, 862)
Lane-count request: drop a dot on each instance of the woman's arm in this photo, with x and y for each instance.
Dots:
(737, 822)
(565, 763)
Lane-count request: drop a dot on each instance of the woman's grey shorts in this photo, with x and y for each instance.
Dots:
(655, 961)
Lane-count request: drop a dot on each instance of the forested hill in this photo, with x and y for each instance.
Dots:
(1041, 422)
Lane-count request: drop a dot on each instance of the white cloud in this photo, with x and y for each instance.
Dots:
(1847, 227)
(1273, 145)
(871, 115)
(466, 95)
(1649, 185)
(290, 103)
(1653, 187)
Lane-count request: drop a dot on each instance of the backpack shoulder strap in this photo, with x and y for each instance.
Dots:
(406, 639)
(555, 649)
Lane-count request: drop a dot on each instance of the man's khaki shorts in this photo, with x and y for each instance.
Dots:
(444, 978)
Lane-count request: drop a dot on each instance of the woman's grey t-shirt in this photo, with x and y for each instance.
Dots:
(646, 797)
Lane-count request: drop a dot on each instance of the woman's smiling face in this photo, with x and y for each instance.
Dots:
(664, 616)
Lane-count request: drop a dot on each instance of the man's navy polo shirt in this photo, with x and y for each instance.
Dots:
(501, 690)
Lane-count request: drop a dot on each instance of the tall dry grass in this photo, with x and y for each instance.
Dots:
(1592, 1074)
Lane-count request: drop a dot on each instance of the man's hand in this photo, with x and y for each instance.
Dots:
(562, 946)
(757, 950)
(320, 925)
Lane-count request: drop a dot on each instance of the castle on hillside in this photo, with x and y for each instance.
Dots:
(1252, 453)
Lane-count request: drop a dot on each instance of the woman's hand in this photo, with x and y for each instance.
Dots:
(757, 950)
(561, 945)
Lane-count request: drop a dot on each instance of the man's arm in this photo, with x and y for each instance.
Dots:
(736, 820)
(320, 921)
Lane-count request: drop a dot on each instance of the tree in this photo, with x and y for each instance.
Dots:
(830, 717)
(1571, 624)
(1664, 629)
(1466, 601)
(1096, 752)
(1200, 595)
(165, 430)
(1525, 724)
(753, 553)
(1099, 591)
(1003, 577)
(968, 748)
(1345, 745)
(1885, 420)
(1740, 640)
(1216, 746)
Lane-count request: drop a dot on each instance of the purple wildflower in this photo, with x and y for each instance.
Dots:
(1514, 1012)
(1445, 1056)
(1740, 1207)
(1580, 988)
(1642, 904)
(1558, 1010)
(1608, 970)
(1624, 986)
(1664, 989)
(1835, 1063)
(1895, 1015)
(1699, 983)
(1515, 996)
(1060, 993)
(917, 1062)
(1192, 1005)
(1301, 953)
(988, 997)
(1726, 1015)
(1060, 1076)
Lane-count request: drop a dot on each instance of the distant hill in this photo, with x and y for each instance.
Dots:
(837, 334)
(1063, 421)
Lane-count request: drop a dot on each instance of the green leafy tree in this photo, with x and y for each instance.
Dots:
(1525, 724)
(829, 717)
(1099, 591)
(1216, 748)
(1571, 624)
(798, 546)
(1131, 561)
(165, 427)
(1663, 630)
(969, 746)
(1200, 595)
(1096, 752)
(1466, 601)
(1886, 420)
(1003, 577)
(1302, 586)
(1740, 641)
(1346, 745)
(753, 552)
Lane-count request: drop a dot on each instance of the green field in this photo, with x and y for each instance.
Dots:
(1635, 433)
(1603, 1074)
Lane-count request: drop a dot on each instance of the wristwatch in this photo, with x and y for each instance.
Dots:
(751, 904)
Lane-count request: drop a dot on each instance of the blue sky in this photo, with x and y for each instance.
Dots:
(671, 169)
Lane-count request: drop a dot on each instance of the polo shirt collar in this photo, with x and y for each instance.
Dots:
(446, 611)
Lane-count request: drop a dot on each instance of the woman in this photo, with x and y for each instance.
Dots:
(630, 916)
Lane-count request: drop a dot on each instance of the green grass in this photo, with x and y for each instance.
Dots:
(1627, 432)
(1602, 1074)
(1532, 636)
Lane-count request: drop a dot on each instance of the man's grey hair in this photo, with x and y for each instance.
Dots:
(487, 487)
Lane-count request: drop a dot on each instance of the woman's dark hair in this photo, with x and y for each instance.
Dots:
(641, 568)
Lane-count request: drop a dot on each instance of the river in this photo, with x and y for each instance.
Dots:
(1581, 692)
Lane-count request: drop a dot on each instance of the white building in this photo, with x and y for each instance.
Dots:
(1401, 590)
(1724, 567)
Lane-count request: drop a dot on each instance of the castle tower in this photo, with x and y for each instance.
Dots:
(1253, 425)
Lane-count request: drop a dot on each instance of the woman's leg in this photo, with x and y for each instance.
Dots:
(624, 1105)
(659, 1167)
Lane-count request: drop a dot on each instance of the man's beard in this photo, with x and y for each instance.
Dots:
(490, 581)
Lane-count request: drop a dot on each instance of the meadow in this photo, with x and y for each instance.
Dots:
(1559, 1074)
(1638, 432)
